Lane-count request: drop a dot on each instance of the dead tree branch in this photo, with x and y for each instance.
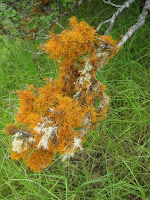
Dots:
(115, 15)
(109, 2)
(139, 23)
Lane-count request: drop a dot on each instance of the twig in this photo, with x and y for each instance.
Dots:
(45, 35)
(102, 23)
(109, 2)
(59, 16)
(5, 158)
(43, 38)
(103, 41)
(35, 53)
(137, 25)
(60, 25)
(104, 46)
(115, 15)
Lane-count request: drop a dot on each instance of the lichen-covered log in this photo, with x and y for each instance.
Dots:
(58, 116)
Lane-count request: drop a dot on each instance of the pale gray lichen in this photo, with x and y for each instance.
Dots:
(47, 135)
(19, 143)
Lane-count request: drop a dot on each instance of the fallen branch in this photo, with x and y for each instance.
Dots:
(139, 23)
(113, 18)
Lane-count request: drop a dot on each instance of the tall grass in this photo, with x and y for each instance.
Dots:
(115, 161)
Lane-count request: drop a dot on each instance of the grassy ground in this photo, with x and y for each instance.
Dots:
(114, 163)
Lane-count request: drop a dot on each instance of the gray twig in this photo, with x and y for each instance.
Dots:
(35, 53)
(115, 15)
(43, 38)
(5, 158)
(109, 2)
(137, 25)
(60, 25)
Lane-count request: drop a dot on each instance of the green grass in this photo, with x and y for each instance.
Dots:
(115, 161)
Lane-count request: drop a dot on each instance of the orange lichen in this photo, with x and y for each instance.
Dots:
(78, 40)
(39, 160)
(11, 129)
(58, 116)
(17, 156)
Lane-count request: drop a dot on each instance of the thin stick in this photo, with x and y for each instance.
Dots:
(35, 53)
(60, 25)
(5, 158)
(109, 2)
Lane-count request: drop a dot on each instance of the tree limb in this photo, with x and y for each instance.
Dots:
(137, 25)
(115, 15)
(109, 2)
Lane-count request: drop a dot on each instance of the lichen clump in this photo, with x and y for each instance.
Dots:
(58, 116)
